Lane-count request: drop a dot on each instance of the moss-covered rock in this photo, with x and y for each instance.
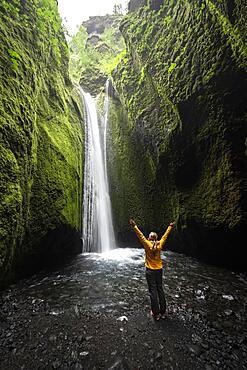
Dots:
(182, 86)
(93, 80)
(41, 137)
(93, 55)
(131, 171)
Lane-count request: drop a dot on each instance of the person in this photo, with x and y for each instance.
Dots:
(154, 266)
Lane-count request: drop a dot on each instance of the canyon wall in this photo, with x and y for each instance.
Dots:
(178, 126)
(41, 140)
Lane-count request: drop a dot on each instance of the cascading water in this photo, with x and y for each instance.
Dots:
(98, 233)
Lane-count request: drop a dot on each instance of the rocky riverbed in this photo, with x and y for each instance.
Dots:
(93, 313)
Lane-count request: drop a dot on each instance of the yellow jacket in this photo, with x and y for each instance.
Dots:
(152, 259)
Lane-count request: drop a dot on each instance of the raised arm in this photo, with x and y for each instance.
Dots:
(165, 236)
(138, 232)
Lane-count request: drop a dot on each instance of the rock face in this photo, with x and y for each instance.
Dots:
(41, 140)
(93, 40)
(134, 5)
(92, 60)
(156, 4)
(98, 24)
(179, 126)
(93, 80)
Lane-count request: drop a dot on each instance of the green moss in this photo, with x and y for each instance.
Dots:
(234, 37)
(15, 58)
(11, 205)
(181, 85)
(125, 172)
(172, 67)
(85, 56)
(41, 133)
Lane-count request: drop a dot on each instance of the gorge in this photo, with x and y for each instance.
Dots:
(177, 127)
(139, 115)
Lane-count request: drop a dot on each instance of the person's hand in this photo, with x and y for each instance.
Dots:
(132, 222)
(172, 223)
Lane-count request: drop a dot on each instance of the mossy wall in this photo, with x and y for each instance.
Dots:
(130, 179)
(182, 86)
(41, 137)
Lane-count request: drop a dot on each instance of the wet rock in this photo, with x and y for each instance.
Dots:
(229, 297)
(216, 325)
(158, 356)
(14, 351)
(195, 349)
(243, 339)
(52, 338)
(228, 312)
(208, 367)
(190, 322)
(200, 294)
(74, 355)
(120, 364)
(80, 338)
(56, 364)
(78, 366)
(204, 345)
(227, 324)
(196, 337)
(77, 312)
(122, 318)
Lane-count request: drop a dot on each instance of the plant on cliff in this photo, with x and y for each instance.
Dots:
(15, 59)
(102, 55)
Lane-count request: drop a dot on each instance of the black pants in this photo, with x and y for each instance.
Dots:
(156, 292)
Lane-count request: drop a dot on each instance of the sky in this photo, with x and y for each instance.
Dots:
(74, 12)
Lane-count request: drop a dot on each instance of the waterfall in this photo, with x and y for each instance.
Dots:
(98, 233)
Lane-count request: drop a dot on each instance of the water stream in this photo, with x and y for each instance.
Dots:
(98, 233)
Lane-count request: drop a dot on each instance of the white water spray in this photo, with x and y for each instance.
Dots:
(98, 233)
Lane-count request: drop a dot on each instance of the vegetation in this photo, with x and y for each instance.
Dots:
(41, 137)
(84, 55)
(181, 87)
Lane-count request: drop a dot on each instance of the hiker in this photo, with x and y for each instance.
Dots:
(154, 264)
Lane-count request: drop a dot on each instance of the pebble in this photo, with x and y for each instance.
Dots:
(56, 364)
(194, 348)
(215, 326)
(52, 338)
(229, 297)
(158, 356)
(78, 366)
(208, 367)
(228, 312)
(120, 364)
(122, 318)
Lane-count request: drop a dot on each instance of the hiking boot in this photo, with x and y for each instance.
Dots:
(156, 317)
